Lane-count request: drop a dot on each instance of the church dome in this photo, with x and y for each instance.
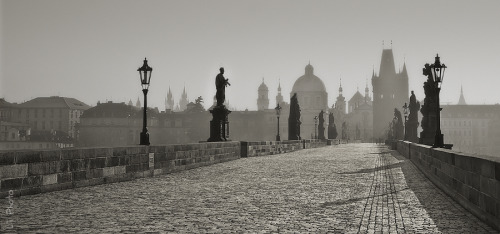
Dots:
(263, 86)
(308, 82)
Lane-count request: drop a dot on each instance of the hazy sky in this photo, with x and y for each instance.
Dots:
(91, 50)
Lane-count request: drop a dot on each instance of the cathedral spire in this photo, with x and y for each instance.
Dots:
(279, 97)
(367, 91)
(461, 100)
(340, 87)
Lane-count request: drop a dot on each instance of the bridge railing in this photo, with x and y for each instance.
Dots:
(471, 180)
(38, 171)
(32, 172)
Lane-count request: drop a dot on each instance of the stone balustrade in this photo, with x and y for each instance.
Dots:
(471, 180)
(40, 171)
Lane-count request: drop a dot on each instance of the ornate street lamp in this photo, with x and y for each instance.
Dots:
(278, 112)
(437, 70)
(405, 111)
(145, 77)
(315, 127)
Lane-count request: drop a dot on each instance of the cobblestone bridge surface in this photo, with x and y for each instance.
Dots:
(362, 188)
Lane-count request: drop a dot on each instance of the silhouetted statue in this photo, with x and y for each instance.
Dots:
(219, 125)
(428, 110)
(390, 132)
(332, 129)
(321, 126)
(220, 84)
(294, 119)
(412, 124)
(358, 132)
(398, 126)
(344, 131)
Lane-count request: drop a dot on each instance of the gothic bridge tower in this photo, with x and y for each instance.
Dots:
(390, 90)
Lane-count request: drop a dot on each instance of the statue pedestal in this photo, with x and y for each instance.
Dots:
(219, 125)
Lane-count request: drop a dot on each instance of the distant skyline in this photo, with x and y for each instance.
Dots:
(90, 50)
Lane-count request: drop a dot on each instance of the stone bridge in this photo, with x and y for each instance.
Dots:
(345, 188)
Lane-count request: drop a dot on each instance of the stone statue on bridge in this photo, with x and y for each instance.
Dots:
(321, 126)
(332, 129)
(428, 110)
(398, 126)
(412, 124)
(220, 85)
(219, 125)
(294, 119)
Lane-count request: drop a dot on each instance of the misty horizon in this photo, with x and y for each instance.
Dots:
(97, 53)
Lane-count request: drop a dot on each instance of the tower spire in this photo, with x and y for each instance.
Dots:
(340, 86)
(461, 100)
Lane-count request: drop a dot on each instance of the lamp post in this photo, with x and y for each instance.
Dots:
(405, 111)
(437, 70)
(278, 112)
(145, 77)
(315, 127)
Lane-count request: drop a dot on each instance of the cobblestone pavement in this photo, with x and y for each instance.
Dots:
(362, 188)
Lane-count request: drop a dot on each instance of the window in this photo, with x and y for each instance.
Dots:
(43, 125)
(43, 113)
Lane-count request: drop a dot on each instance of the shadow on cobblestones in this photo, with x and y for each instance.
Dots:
(371, 170)
(447, 215)
(335, 189)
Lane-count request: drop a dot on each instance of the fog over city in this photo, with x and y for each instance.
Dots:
(256, 116)
(90, 50)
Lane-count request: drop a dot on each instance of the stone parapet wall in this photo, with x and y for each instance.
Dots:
(33, 172)
(314, 143)
(473, 181)
(261, 148)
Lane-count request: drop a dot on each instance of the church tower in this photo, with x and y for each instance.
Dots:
(184, 101)
(279, 97)
(461, 101)
(138, 103)
(263, 99)
(390, 90)
(170, 100)
(367, 93)
(340, 103)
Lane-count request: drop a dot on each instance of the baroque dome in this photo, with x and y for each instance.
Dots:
(263, 86)
(308, 82)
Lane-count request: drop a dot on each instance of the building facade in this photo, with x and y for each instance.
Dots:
(472, 129)
(50, 116)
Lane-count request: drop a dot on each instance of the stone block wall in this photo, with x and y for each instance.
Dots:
(260, 148)
(314, 143)
(33, 172)
(473, 181)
